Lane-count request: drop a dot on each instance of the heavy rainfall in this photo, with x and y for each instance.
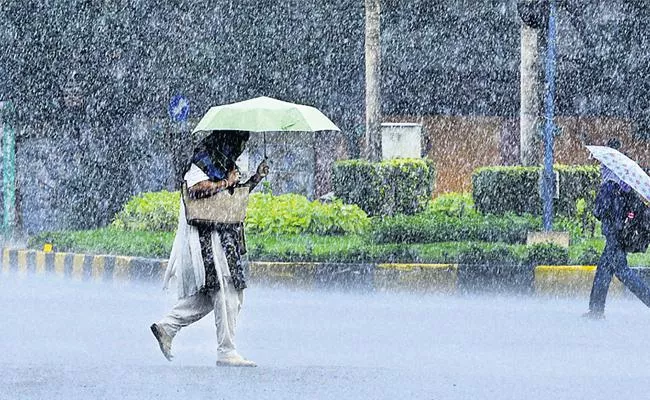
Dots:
(336, 199)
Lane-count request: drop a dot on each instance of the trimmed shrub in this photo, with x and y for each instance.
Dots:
(490, 254)
(587, 255)
(400, 186)
(498, 190)
(151, 211)
(453, 205)
(547, 254)
(431, 228)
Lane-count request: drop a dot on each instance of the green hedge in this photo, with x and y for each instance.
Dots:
(400, 186)
(499, 190)
(547, 254)
(285, 214)
(350, 248)
(432, 227)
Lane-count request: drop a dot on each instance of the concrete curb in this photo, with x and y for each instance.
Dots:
(82, 266)
(545, 280)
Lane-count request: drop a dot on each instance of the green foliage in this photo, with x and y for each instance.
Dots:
(356, 249)
(108, 241)
(588, 256)
(400, 186)
(453, 205)
(498, 190)
(488, 254)
(547, 254)
(585, 216)
(294, 214)
(317, 248)
(430, 228)
(151, 211)
(285, 214)
(588, 251)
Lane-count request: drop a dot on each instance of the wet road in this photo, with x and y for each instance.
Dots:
(61, 339)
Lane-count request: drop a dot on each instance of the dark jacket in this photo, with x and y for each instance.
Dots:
(611, 210)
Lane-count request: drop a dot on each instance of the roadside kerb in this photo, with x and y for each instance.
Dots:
(82, 266)
(573, 280)
(545, 280)
(437, 278)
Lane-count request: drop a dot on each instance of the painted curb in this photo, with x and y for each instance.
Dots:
(82, 266)
(436, 278)
(543, 280)
(571, 280)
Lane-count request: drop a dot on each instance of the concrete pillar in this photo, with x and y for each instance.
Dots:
(372, 142)
(533, 15)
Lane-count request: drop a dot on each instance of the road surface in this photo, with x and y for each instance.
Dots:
(62, 339)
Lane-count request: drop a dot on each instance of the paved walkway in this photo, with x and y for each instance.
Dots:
(62, 339)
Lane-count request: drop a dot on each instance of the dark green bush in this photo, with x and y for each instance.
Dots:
(488, 254)
(400, 186)
(588, 255)
(547, 254)
(356, 250)
(431, 228)
(498, 190)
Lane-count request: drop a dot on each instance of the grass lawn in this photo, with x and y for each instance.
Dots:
(350, 248)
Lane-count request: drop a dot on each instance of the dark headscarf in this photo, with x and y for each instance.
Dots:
(217, 153)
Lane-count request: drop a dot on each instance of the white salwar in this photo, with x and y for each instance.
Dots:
(186, 265)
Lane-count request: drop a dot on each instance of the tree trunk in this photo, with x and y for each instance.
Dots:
(372, 142)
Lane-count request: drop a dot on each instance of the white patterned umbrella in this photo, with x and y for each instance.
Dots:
(625, 168)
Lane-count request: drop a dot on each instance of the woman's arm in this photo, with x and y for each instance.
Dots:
(208, 188)
(262, 172)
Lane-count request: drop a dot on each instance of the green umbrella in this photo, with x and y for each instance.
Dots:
(264, 114)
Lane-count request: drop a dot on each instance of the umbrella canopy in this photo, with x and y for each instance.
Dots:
(265, 114)
(626, 169)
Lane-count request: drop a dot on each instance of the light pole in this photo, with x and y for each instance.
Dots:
(548, 181)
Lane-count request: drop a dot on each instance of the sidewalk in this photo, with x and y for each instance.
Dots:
(570, 280)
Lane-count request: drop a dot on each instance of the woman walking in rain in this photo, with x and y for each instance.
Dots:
(206, 257)
(612, 209)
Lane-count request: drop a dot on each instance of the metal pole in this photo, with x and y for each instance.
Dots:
(8, 169)
(548, 181)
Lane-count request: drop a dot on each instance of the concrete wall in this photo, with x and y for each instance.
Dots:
(458, 145)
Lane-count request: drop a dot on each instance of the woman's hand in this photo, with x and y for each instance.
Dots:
(233, 178)
(263, 169)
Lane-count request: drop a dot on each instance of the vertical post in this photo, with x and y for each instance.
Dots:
(8, 169)
(548, 181)
(372, 142)
(530, 96)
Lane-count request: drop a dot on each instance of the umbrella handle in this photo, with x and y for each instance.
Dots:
(264, 136)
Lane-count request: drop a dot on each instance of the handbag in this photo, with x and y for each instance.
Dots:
(224, 207)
